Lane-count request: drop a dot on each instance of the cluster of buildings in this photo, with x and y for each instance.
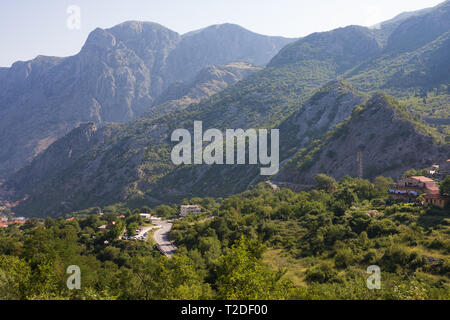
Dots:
(6, 216)
(8, 205)
(5, 221)
(409, 189)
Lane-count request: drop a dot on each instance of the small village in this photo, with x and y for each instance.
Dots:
(423, 190)
(417, 189)
(160, 228)
(7, 217)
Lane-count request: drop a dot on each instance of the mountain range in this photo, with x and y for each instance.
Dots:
(119, 74)
(376, 92)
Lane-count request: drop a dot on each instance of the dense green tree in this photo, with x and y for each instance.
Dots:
(382, 185)
(132, 228)
(326, 183)
(242, 276)
(444, 186)
(165, 211)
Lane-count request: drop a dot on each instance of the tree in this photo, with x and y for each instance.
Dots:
(165, 211)
(131, 229)
(444, 186)
(15, 277)
(321, 273)
(146, 209)
(413, 172)
(343, 200)
(344, 258)
(116, 230)
(326, 183)
(382, 185)
(109, 217)
(241, 275)
(210, 247)
(30, 224)
(364, 189)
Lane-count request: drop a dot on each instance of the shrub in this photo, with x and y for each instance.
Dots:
(321, 273)
(344, 258)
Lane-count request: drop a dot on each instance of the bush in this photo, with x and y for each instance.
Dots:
(321, 273)
(371, 257)
(396, 259)
(381, 228)
(344, 258)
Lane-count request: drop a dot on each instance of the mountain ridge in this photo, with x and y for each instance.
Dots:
(117, 76)
(133, 163)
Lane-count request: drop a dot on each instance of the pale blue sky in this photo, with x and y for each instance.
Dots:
(29, 27)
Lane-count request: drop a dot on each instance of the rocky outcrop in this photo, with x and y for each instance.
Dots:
(208, 81)
(329, 106)
(117, 76)
(387, 138)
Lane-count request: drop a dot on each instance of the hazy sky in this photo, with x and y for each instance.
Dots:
(30, 27)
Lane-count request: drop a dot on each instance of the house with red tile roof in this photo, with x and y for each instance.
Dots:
(410, 188)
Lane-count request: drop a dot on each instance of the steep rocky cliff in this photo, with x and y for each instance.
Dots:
(388, 139)
(117, 76)
(208, 81)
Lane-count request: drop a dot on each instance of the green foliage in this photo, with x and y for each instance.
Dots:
(327, 240)
(242, 276)
(325, 183)
(165, 211)
(322, 273)
(444, 186)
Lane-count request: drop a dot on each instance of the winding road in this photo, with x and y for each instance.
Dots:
(161, 237)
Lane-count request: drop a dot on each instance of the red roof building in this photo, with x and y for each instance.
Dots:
(410, 188)
(437, 200)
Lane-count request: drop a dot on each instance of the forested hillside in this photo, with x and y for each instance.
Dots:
(262, 244)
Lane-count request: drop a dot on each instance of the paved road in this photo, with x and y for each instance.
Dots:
(161, 237)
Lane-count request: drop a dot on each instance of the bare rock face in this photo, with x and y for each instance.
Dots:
(208, 82)
(329, 106)
(117, 76)
(389, 142)
(59, 155)
(218, 45)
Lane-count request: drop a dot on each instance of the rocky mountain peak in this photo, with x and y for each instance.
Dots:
(101, 39)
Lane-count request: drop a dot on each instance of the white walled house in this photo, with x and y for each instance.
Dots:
(146, 215)
(191, 209)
